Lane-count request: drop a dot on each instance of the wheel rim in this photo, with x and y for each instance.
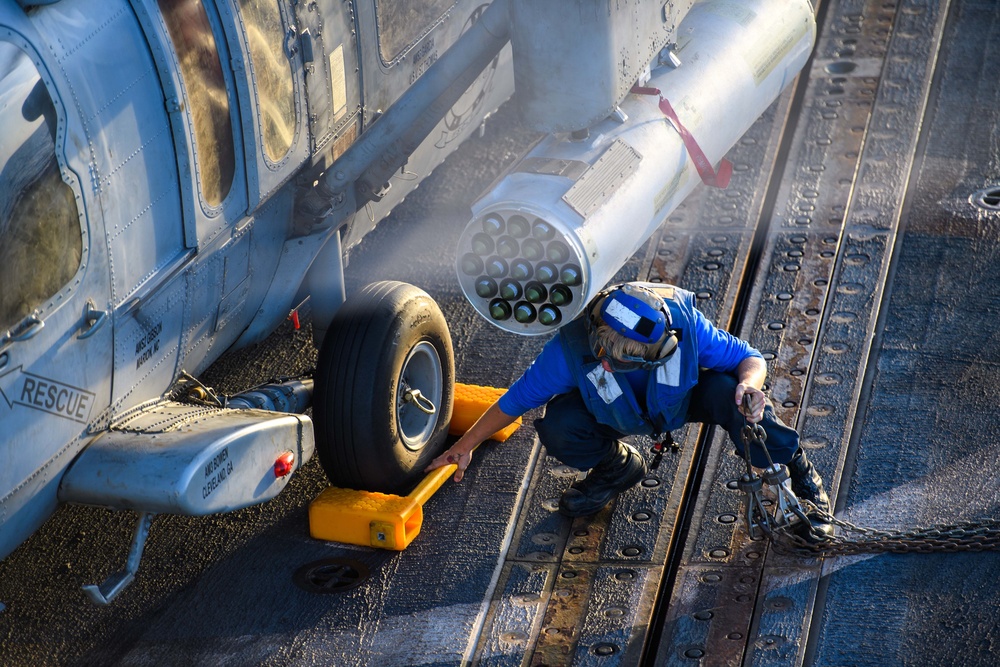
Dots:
(421, 385)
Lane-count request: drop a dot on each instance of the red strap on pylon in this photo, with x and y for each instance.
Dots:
(709, 176)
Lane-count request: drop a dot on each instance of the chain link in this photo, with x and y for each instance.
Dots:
(981, 535)
(790, 512)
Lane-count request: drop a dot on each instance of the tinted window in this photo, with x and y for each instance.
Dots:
(402, 23)
(40, 235)
(207, 98)
(273, 73)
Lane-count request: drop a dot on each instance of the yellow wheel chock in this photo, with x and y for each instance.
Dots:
(388, 521)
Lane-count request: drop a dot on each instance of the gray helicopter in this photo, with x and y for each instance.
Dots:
(178, 178)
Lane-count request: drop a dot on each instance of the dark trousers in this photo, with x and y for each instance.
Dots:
(571, 434)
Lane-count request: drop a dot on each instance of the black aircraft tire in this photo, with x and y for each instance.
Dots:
(389, 337)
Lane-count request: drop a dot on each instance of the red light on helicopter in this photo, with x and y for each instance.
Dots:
(284, 464)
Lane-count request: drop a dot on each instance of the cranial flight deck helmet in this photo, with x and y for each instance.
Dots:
(630, 311)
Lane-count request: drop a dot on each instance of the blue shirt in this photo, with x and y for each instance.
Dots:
(549, 374)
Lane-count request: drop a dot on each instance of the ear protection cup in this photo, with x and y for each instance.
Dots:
(669, 344)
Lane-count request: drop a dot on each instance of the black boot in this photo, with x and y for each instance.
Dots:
(808, 485)
(619, 470)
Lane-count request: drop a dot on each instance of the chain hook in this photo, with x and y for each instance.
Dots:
(788, 511)
(757, 518)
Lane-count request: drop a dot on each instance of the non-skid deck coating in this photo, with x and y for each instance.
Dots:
(868, 278)
(814, 306)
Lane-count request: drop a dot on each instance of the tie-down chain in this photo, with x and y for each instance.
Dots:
(790, 513)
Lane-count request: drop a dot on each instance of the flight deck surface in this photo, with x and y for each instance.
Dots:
(856, 246)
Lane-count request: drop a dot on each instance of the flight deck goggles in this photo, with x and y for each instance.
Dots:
(626, 365)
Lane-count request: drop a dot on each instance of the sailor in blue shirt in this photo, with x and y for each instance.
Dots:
(641, 360)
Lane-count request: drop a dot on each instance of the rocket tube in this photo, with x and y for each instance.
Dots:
(589, 205)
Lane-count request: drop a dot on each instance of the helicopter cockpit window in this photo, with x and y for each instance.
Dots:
(273, 73)
(208, 99)
(39, 220)
(403, 23)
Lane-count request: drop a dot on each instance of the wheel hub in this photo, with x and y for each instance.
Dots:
(421, 386)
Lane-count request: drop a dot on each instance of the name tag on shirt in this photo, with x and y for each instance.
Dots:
(670, 372)
(606, 384)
